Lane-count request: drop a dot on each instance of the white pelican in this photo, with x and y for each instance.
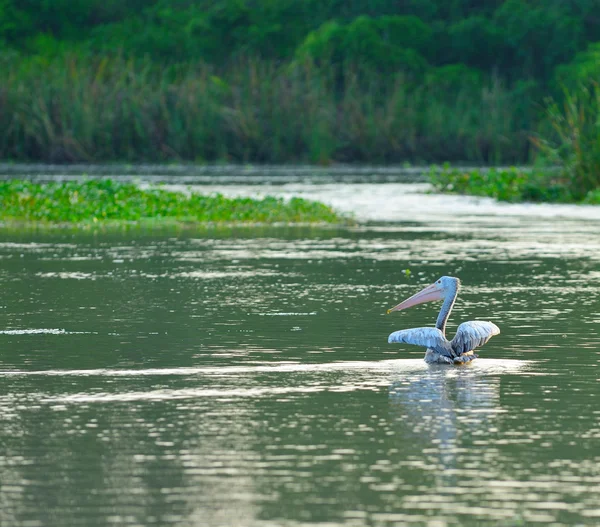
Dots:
(469, 335)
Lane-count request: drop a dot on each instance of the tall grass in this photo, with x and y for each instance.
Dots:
(568, 167)
(574, 145)
(82, 108)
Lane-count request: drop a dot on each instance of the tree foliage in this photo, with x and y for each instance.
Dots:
(456, 79)
(515, 39)
(386, 44)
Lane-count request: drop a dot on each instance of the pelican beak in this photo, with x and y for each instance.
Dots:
(429, 294)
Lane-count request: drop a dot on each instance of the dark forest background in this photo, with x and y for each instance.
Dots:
(291, 80)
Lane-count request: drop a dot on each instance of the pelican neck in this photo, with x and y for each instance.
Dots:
(444, 314)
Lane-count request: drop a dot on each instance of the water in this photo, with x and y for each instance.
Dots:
(242, 376)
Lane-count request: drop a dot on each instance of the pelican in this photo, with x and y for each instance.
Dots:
(440, 350)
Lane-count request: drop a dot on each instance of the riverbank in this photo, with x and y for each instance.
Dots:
(512, 184)
(83, 109)
(107, 201)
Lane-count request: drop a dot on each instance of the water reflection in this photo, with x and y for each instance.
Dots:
(435, 407)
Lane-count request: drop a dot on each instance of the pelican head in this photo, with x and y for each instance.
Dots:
(439, 290)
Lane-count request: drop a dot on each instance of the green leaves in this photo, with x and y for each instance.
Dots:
(286, 80)
(385, 44)
(81, 108)
(574, 142)
(584, 69)
(105, 199)
(510, 184)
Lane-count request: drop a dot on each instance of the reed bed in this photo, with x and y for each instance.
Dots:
(573, 144)
(568, 164)
(76, 108)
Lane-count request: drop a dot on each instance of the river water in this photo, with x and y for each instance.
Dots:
(241, 376)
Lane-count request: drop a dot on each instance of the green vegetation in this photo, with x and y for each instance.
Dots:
(576, 146)
(518, 39)
(573, 155)
(321, 81)
(510, 184)
(70, 109)
(107, 200)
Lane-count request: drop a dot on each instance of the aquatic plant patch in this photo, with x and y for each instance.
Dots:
(511, 184)
(100, 200)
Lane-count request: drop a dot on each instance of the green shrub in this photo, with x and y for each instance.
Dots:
(510, 184)
(536, 37)
(575, 145)
(592, 197)
(454, 77)
(463, 42)
(385, 45)
(584, 69)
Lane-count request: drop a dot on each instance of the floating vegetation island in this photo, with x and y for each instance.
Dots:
(109, 201)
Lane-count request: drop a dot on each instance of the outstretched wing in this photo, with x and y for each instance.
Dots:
(473, 334)
(431, 338)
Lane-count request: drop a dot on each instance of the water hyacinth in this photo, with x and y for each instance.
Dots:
(508, 184)
(104, 199)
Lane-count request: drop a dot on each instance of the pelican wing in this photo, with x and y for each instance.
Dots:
(473, 334)
(431, 338)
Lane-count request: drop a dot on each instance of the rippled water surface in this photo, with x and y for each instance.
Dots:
(242, 376)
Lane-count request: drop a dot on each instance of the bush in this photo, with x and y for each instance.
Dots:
(584, 69)
(386, 45)
(453, 77)
(476, 41)
(503, 184)
(575, 147)
(537, 37)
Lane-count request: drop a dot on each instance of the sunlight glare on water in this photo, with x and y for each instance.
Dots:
(242, 376)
